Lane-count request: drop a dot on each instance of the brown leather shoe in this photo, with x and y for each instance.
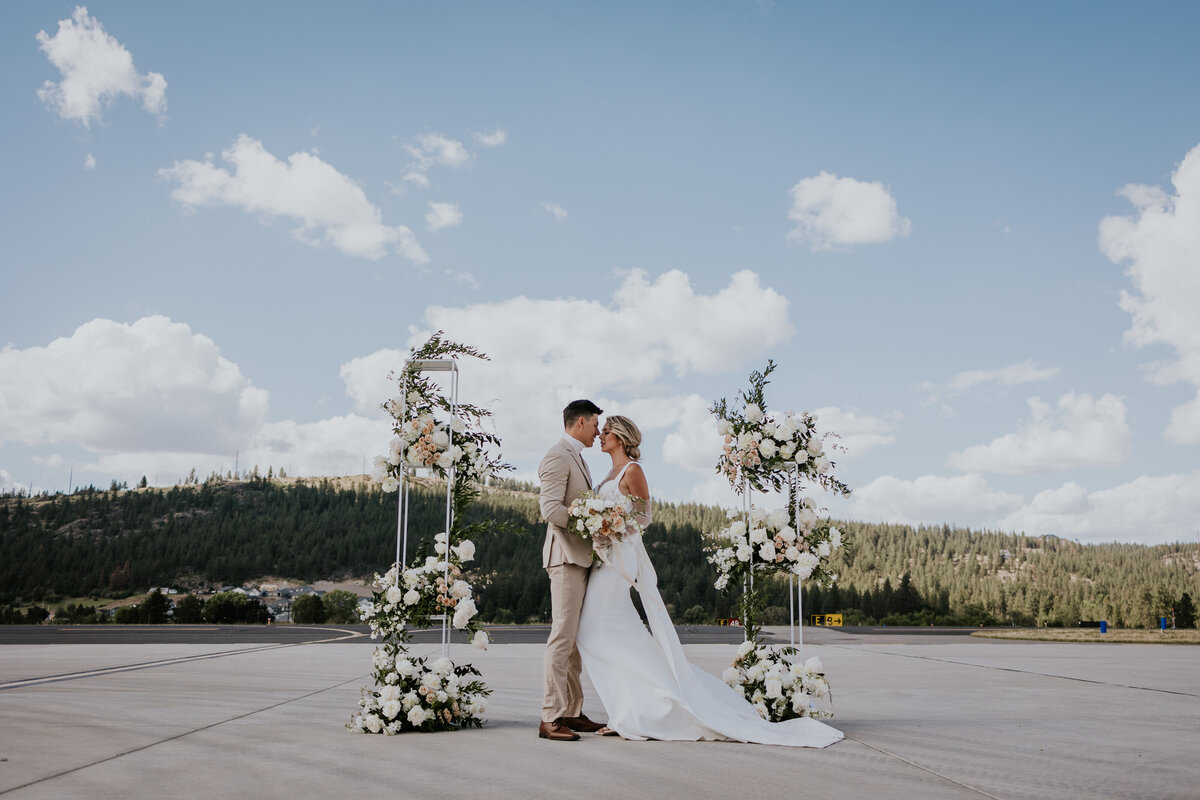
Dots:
(582, 723)
(557, 731)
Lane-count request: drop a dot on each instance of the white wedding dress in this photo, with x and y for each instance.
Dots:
(645, 682)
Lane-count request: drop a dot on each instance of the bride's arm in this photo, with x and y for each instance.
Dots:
(634, 485)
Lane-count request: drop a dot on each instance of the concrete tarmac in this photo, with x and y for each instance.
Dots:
(925, 716)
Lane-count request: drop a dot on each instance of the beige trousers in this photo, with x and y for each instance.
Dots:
(562, 664)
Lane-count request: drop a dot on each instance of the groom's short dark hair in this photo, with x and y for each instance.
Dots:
(579, 408)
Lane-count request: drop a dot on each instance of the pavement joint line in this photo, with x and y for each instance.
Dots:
(95, 673)
(185, 733)
(923, 768)
(1014, 669)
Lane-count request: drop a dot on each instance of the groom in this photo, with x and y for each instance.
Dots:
(566, 556)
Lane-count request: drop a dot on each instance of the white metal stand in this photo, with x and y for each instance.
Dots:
(796, 599)
(407, 472)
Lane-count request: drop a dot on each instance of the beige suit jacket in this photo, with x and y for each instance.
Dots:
(564, 477)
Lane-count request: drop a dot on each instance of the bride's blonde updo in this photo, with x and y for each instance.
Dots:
(627, 432)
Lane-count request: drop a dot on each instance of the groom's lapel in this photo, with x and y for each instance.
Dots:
(582, 465)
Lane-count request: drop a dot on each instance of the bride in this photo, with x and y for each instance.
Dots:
(645, 682)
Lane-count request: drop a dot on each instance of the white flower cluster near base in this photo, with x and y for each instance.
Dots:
(770, 543)
(411, 695)
(779, 689)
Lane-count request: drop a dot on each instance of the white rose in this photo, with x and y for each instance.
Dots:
(745, 647)
(755, 673)
(806, 518)
(823, 549)
(460, 589)
(835, 538)
(724, 427)
(737, 528)
(801, 457)
(439, 548)
(792, 553)
(390, 709)
(758, 535)
(389, 484)
(814, 446)
(442, 697)
(418, 715)
(440, 439)
(445, 460)
(767, 552)
(753, 412)
(822, 464)
(395, 594)
(374, 724)
(744, 552)
(389, 693)
(405, 667)
(768, 448)
(412, 597)
(465, 550)
(788, 450)
(778, 518)
(787, 534)
(731, 676)
(801, 702)
(773, 687)
(813, 666)
(457, 425)
(480, 640)
(442, 666)
(805, 564)
(409, 700)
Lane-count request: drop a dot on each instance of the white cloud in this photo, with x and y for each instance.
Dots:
(858, 433)
(930, 499)
(493, 139)
(831, 212)
(152, 386)
(694, 444)
(414, 176)
(549, 352)
(1084, 432)
(1160, 246)
(344, 445)
(558, 211)
(442, 215)
(983, 379)
(434, 148)
(8, 484)
(329, 206)
(1150, 510)
(96, 69)
(89, 161)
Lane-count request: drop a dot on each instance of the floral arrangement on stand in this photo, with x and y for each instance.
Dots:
(764, 452)
(431, 431)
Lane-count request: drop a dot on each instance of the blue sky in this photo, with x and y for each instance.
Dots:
(968, 234)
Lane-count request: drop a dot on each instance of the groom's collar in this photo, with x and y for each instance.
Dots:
(574, 444)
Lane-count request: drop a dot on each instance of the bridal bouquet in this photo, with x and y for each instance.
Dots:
(774, 542)
(411, 695)
(779, 689)
(592, 515)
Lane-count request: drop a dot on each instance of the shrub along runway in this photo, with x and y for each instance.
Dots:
(924, 716)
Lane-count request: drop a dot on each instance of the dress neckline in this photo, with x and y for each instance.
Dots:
(616, 478)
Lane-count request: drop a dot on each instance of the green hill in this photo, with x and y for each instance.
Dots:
(107, 543)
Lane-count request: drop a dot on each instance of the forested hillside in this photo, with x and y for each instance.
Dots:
(105, 543)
